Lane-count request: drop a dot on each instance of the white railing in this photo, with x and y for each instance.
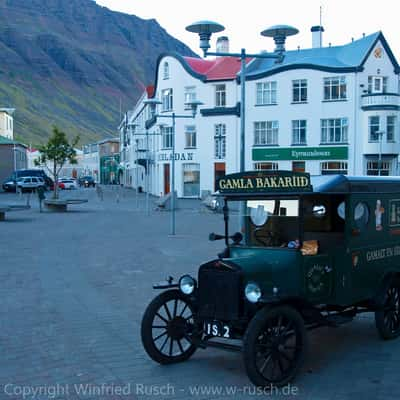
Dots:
(380, 100)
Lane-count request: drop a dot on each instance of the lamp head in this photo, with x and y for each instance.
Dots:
(205, 29)
(152, 103)
(194, 105)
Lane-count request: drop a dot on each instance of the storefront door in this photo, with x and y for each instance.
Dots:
(166, 179)
(219, 172)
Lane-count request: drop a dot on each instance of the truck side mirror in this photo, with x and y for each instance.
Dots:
(213, 236)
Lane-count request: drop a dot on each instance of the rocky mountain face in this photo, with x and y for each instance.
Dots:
(74, 64)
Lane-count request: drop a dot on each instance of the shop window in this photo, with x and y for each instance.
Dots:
(376, 168)
(298, 166)
(191, 180)
(334, 167)
(266, 166)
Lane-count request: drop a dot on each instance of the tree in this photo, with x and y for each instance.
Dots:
(56, 152)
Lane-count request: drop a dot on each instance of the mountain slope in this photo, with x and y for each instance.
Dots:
(73, 63)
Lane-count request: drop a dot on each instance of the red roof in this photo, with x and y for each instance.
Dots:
(218, 69)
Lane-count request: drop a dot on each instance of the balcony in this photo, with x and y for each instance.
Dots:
(380, 101)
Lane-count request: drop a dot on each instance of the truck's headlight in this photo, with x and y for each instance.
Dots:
(187, 284)
(252, 292)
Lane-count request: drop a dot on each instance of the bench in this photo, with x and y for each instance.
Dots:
(60, 205)
(9, 208)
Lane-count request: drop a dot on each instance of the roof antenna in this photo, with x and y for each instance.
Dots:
(320, 24)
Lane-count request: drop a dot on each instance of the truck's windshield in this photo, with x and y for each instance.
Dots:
(269, 222)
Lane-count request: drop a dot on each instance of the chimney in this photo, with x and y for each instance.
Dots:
(317, 36)
(223, 44)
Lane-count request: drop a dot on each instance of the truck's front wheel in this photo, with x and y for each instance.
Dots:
(167, 328)
(274, 346)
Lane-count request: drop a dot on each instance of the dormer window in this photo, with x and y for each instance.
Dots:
(166, 71)
(377, 84)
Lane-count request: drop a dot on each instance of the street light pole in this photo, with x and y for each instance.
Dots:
(147, 174)
(380, 133)
(279, 33)
(153, 104)
(173, 177)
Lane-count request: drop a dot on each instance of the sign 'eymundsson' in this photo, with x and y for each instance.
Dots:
(262, 181)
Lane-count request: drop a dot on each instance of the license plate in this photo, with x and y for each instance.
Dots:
(217, 328)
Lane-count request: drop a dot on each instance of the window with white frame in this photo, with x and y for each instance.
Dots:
(374, 167)
(189, 95)
(167, 137)
(167, 100)
(220, 95)
(334, 167)
(334, 130)
(377, 84)
(373, 128)
(266, 166)
(190, 136)
(220, 141)
(391, 128)
(299, 132)
(266, 93)
(299, 90)
(165, 70)
(335, 88)
(266, 133)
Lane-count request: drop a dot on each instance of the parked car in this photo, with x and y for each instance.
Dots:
(9, 183)
(69, 183)
(60, 186)
(30, 183)
(87, 181)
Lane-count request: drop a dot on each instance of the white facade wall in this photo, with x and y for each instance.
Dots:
(358, 106)
(7, 124)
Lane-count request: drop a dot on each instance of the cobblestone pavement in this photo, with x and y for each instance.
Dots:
(73, 288)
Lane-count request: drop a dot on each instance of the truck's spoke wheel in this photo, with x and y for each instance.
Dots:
(274, 346)
(388, 320)
(167, 328)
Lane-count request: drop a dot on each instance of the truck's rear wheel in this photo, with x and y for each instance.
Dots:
(274, 346)
(167, 328)
(388, 320)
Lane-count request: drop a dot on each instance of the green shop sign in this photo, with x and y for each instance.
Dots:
(301, 153)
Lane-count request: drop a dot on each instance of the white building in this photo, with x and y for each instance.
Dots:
(322, 110)
(7, 122)
(91, 161)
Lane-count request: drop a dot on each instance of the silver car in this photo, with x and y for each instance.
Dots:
(30, 183)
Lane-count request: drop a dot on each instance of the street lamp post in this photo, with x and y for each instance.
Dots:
(152, 103)
(380, 133)
(278, 32)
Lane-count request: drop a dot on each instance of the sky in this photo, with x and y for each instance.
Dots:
(342, 20)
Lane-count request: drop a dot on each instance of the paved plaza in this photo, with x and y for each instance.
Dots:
(74, 286)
